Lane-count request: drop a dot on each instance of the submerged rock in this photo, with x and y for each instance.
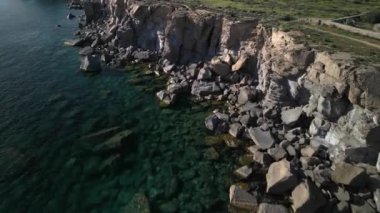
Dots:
(139, 203)
(114, 142)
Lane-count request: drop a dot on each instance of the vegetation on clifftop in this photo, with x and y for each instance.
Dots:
(293, 8)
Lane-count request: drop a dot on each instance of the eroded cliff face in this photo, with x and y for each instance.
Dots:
(341, 98)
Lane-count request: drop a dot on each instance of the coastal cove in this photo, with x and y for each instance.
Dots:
(51, 157)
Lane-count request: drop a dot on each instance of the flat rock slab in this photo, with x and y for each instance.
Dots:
(242, 199)
(349, 175)
(291, 116)
(263, 139)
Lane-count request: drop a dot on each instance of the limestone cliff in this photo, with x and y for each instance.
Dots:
(328, 86)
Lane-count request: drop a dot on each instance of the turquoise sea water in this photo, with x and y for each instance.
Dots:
(47, 107)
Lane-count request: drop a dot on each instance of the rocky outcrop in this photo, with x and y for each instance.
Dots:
(304, 111)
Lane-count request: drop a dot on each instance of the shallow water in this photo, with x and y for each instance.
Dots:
(47, 107)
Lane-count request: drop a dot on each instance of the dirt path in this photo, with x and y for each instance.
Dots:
(344, 36)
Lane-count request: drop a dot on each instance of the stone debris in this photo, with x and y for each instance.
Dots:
(304, 115)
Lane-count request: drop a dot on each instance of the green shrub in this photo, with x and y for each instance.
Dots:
(372, 17)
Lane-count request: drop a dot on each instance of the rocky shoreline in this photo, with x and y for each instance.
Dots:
(308, 119)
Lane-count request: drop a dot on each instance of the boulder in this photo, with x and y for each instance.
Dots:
(236, 130)
(70, 16)
(215, 124)
(277, 153)
(166, 97)
(376, 27)
(307, 198)
(263, 139)
(90, 63)
(244, 172)
(141, 55)
(342, 207)
(332, 108)
(349, 175)
(75, 42)
(262, 158)
(272, 208)
(245, 94)
(182, 87)
(308, 151)
(239, 65)
(219, 67)
(291, 116)
(204, 74)
(376, 197)
(201, 88)
(319, 127)
(86, 51)
(280, 177)
(242, 199)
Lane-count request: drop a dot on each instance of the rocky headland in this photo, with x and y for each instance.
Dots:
(307, 119)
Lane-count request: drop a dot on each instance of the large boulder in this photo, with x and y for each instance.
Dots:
(280, 177)
(307, 198)
(90, 63)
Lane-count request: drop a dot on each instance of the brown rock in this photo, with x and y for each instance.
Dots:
(307, 198)
(280, 177)
(349, 175)
(242, 199)
(272, 208)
